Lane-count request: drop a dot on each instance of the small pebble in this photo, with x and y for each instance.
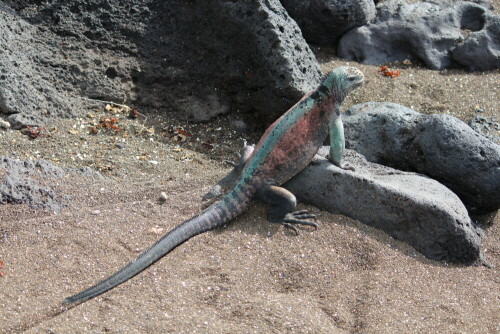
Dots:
(4, 124)
(163, 197)
(96, 212)
(239, 126)
(120, 145)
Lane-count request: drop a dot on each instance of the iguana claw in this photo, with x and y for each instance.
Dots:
(298, 217)
(347, 166)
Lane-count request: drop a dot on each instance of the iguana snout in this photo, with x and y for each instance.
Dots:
(353, 76)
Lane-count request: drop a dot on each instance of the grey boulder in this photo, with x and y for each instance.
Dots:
(28, 182)
(20, 184)
(481, 49)
(197, 59)
(408, 206)
(26, 93)
(437, 145)
(325, 21)
(486, 126)
(432, 32)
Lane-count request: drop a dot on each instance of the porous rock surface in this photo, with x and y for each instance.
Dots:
(28, 182)
(441, 34)
(486, 126)
(22, 184)
(437, 145)
(175, 55)
(408, 206)
(26, 88)
(325, 21)
(481, 49)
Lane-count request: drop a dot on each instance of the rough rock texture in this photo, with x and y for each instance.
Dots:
(26, 89)
(28, 167)
(325, 21)
(449, 3)
(439, 146)
(408, 206)
(176, 55)
(23, 184)
(435, 33)
(487, 127)
(481, 50)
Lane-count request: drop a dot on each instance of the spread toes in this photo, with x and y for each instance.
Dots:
(298, 218)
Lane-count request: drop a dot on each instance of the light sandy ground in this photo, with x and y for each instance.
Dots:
(251, 276)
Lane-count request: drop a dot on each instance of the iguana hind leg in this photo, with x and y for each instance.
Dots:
(224, 185)
(282, 204)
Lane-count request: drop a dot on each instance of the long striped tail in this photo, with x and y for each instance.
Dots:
(231, 205)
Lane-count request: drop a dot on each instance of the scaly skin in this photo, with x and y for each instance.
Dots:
(286, 148)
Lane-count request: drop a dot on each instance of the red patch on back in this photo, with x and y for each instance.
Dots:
(296, 147)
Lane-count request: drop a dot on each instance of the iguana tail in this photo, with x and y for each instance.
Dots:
(231, 205)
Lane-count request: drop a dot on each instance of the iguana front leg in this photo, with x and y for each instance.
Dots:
(337, 144)
(282, 204)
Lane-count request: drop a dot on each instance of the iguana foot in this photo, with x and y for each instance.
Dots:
(347, 166)
(344, 165)
(283, 202)
(298, 218)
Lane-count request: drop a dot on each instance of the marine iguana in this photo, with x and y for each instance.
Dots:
(286, 148)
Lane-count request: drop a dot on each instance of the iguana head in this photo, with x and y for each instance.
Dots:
(343, 80)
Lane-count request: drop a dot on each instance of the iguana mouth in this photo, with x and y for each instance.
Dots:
(354, 72)
(358, 83)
